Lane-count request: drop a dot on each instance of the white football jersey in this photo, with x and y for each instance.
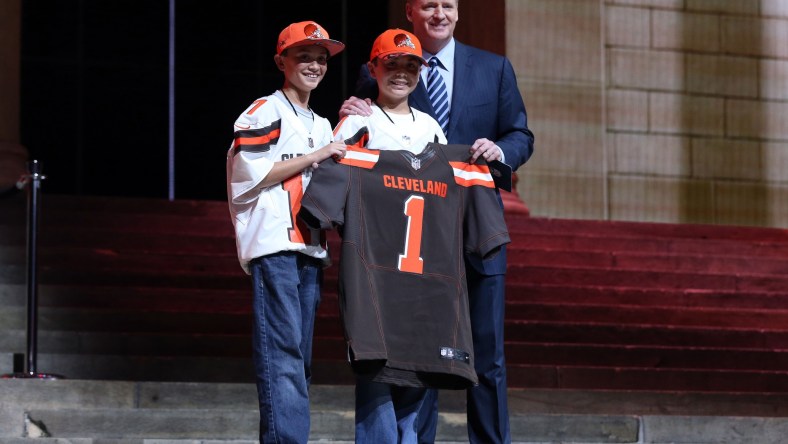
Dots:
(265, 218)
(410, 132)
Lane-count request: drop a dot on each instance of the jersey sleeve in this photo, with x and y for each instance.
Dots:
(353, 130)
(484, 225)
(250, 158)
(323, 204)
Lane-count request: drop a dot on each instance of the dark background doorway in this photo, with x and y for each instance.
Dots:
(95, 85)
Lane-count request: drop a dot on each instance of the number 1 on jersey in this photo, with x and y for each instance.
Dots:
(411, 260)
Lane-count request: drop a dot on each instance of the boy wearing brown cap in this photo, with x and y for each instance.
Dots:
(277, 142)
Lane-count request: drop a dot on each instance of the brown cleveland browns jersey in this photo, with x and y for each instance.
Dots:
(405, 222)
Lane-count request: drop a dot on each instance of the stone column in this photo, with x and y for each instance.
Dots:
(12, 154)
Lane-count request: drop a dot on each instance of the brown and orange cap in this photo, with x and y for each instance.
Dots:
(395, 43)
(307, 33)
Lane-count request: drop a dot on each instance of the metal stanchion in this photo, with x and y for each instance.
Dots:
(33, 181)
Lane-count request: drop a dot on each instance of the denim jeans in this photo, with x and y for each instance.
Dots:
(487, 404)
(286, 296)
(387, 414)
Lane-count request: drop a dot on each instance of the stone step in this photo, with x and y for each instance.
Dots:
(326, 425)
(127, 412)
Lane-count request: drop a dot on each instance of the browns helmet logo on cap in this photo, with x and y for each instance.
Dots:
(312, 31)
(403, 40)
(395, 43)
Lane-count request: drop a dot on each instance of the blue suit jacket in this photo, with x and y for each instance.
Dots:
(485, 102)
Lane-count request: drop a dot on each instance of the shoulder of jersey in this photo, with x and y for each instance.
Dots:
(350, 123)
(456, 153)
(257, 113)
(466, 174)
(357, 156)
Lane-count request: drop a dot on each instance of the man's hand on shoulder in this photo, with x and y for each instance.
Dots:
(355, 106)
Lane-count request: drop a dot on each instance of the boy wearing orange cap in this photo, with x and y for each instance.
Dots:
(395, 63)
(278, 140)
(386, 412)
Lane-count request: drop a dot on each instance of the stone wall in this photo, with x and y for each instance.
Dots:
(655, 110)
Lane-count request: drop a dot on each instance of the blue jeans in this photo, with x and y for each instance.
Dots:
(286, 296)
(487, 404)
(387, 414)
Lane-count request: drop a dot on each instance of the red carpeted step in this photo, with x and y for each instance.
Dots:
(646, 356)
(668, 261)
(646, 244)
(646, 279)
(666, 297)
(668, 316)
(590, 304)
(552, 331)
(601, 228)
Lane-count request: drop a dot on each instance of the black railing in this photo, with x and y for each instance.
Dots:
(32, 181)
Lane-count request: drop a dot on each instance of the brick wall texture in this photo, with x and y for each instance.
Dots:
(655, 110)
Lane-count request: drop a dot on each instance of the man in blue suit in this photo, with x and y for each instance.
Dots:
(485, 111)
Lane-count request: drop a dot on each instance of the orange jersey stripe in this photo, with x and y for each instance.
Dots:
(360, 157)
(469, 175)
(259, 140)
(256, 104)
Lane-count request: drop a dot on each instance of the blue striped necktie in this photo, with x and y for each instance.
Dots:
(439, 98)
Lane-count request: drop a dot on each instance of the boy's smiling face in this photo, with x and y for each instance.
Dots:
(304, 66)
(397, 76)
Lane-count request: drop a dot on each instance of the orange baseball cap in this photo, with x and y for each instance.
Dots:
(394, 43)
(307, 33)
